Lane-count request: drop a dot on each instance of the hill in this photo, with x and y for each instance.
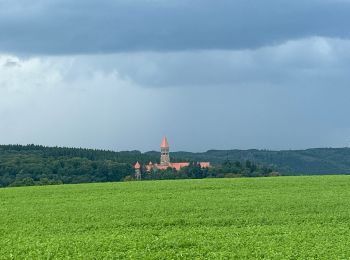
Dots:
(296, 162)
(249, 218)
(32, 164)
(37, 165)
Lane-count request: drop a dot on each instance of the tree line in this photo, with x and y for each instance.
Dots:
(227, 169)
(39, 165)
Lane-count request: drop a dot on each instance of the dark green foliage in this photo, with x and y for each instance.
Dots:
(294, 162)
(90, 154)
(230, 169)
(226, 170)
(38, 165)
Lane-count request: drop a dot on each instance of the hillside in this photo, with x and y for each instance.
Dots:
(310, 161)
(20, 165)
(303, 217)
(37, 165)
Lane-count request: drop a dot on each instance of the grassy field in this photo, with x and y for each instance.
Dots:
(274, 218)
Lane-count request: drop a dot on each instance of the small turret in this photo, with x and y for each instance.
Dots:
(137, 167)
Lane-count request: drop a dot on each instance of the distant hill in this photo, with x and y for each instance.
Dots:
(39, 165)
(310, 161)
(33, 164)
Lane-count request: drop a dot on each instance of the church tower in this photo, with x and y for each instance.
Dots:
(164, 153)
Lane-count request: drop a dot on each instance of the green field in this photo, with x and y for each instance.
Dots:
(274, 218)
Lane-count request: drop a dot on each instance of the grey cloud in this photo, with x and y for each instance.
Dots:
(11, 63)
(101, 101)
(87, 26)
(319, 61)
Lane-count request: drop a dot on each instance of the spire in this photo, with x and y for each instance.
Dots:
(164, 143)
(137, 165)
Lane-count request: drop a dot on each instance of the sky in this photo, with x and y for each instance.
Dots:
(224, 74)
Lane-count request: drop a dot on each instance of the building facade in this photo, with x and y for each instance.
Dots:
(165, 162)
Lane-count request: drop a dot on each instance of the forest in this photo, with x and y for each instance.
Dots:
(38, 165)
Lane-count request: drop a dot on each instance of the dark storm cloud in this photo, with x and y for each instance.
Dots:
(86, 26)
(318, 60)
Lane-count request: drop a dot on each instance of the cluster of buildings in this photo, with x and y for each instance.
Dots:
(164, 161)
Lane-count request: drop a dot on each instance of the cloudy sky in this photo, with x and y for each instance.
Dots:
(120, 74)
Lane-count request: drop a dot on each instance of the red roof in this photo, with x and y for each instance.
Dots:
(164, 143)
(176, 166)
(137, 165)
(161, 167)
(179, 165)
(204, 164)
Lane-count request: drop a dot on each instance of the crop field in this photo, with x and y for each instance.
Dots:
(272, 218)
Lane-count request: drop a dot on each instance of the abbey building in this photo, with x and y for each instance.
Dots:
(165, 162)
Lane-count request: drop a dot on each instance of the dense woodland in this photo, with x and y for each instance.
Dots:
(292, 162)
(39, 165)
(227, 169)
(31, 165)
